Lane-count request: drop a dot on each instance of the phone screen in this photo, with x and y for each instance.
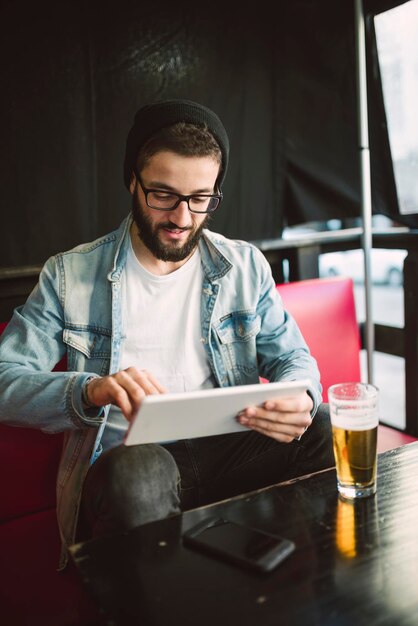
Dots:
(240, 543)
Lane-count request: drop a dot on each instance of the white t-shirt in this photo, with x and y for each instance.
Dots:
(161, 331)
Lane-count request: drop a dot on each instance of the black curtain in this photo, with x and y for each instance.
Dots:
(281, 78)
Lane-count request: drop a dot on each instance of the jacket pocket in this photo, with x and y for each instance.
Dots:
(87, 350)
(238, 327)
(236, 337)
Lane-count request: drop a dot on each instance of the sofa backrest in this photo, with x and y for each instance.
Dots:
(324, 309)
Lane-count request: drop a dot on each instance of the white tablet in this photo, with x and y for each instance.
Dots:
(172, 416)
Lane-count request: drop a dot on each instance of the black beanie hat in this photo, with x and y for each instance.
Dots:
(152, 117)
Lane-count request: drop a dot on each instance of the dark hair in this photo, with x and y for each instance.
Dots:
(187, 140)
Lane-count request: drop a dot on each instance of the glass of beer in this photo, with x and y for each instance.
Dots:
(355, 418)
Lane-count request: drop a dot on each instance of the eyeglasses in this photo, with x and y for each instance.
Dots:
(168, 200)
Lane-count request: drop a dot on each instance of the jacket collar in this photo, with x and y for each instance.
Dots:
(215, 264)
(122, 245)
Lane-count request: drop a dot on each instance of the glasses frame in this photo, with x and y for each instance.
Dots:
(181, 197)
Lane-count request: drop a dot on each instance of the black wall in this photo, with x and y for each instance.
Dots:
(73, 74)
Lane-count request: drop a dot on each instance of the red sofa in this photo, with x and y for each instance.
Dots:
(325, 312)
(32, 592)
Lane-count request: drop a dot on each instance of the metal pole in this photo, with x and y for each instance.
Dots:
(366, 196)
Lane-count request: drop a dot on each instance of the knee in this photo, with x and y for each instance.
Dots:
(128, 486)
(139, 470)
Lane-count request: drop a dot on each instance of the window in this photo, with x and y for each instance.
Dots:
(397, 44)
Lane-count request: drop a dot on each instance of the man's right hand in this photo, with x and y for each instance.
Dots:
(125, 389)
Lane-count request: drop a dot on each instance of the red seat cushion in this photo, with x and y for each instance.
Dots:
(31, 458)
(324, 309)
(32, 591)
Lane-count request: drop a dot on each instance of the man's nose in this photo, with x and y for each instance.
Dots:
(181, 215)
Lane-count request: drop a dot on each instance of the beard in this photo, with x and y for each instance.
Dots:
(148, 234)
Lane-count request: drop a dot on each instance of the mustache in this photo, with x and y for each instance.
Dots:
(173, 226)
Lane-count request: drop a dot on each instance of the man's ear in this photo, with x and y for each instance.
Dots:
(132, 184)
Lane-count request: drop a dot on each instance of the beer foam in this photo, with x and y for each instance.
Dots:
(355, 419)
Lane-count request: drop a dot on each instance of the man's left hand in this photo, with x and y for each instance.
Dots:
(283, 418)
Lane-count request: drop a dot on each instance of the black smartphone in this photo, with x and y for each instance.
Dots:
(239, 544)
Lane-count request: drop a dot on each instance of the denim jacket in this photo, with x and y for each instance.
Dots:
(75, 310)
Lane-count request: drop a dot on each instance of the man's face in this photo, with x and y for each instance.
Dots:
(172, 235)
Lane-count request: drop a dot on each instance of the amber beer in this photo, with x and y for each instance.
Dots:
(354, 418)
(355, 455)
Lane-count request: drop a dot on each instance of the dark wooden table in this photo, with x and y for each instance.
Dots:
(354, 564)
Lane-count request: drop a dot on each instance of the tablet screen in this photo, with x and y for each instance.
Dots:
(185, 415)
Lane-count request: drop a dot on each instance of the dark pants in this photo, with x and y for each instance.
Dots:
(131, 485)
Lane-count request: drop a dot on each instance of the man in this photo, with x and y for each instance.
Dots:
(160, 304)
